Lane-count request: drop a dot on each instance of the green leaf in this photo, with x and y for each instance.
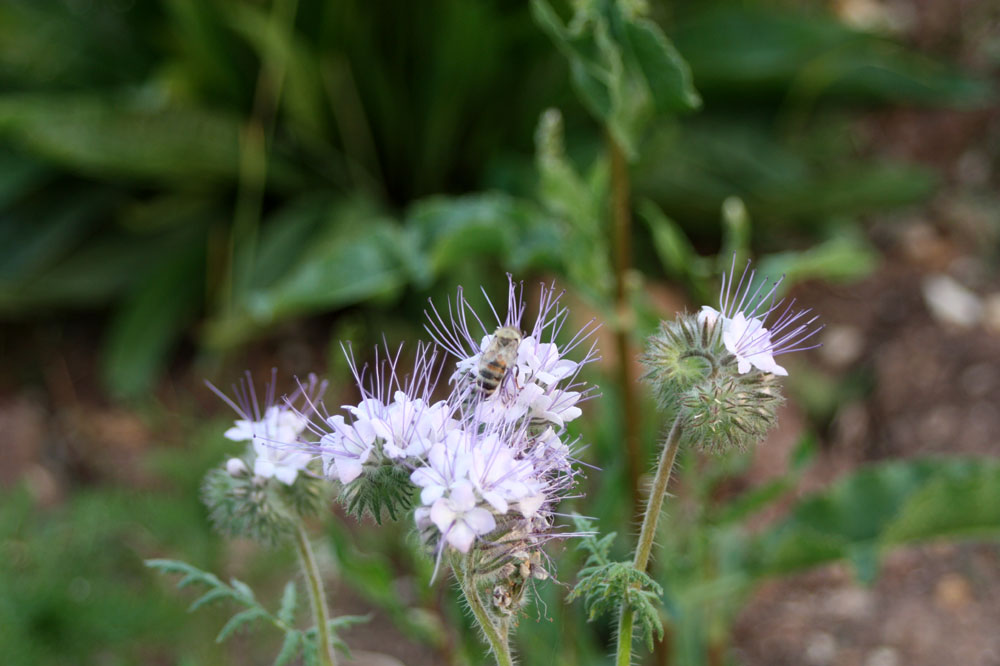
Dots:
(151, 321)
(623, 67)
(667, 74)
(962, 501)
(847, 257)
(245, 593)
(122, 139)
(883, 505)
(289, 648)
(762, 50)
(452, 230)
(355, 254)
(212, 595)
(677, 255)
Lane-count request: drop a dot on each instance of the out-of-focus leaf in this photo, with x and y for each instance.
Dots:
(690, 173)
(116, 138)
(96, 273)
(355, 254)
(742, 49)
(56, 44)
(18, 175)
(677, 255)
(623, 67)
(288, 61)
(453, 230)
(579, 201)
(151, 320)
(286, 235)
(37, 234)
(844, 258)
(962, 503)
(667, 75)
(884, 505)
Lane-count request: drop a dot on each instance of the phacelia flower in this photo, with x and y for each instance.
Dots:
(268, 488)
(503, 452)
(274, 428)
(742, 316)
(394, 420)
(541, 384)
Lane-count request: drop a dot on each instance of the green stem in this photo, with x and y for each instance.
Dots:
(647, 534)
(496, 633)
(621, 217)
(317, 597)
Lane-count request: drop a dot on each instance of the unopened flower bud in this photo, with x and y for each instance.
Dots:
(236, 467)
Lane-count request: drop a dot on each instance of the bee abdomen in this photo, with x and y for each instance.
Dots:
(490, 377)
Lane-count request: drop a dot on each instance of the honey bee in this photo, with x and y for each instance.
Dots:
(497, 358)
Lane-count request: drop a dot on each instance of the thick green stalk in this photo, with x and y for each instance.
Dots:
(317, 597)
(621, 217)
(648, 534)
(496, 632)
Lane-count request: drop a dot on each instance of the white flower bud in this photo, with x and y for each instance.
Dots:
(236, 467)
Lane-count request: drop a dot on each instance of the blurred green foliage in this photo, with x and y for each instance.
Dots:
(213, 168)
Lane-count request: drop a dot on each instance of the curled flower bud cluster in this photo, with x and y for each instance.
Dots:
(717, 371)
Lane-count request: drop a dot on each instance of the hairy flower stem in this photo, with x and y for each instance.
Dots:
(317, 597)
(647, 534)
(496, 632)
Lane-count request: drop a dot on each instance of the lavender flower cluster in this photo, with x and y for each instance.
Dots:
(488, 463)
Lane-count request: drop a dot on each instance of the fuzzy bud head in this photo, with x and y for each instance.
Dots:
(730, 410)
(679, 355)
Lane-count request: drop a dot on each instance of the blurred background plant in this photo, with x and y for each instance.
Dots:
(189, 185)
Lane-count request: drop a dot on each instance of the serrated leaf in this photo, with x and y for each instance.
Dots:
(191, 573)
(239, 620)
(289, 599)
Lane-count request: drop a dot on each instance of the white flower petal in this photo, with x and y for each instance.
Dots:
(442, 514)
(461, 536)
(348, 469)
(529, 505)
(286, 475)
(263, 467)
(480, 520)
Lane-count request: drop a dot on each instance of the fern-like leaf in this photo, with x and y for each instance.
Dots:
(606, 586)
(237, 621)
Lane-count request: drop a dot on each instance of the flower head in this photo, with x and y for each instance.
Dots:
(541, 383)
(273, 427)
(504, 454)
(716, 370)
(742, 316)
(394, 420)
